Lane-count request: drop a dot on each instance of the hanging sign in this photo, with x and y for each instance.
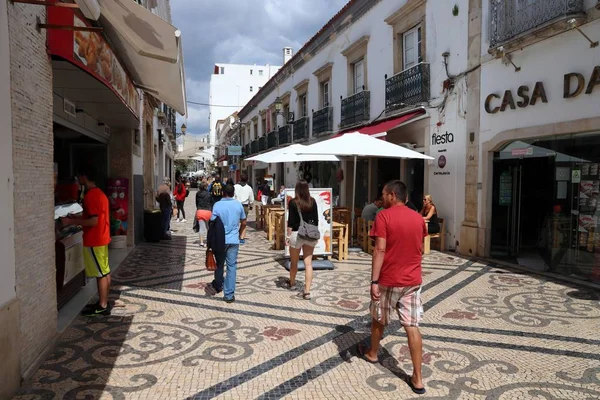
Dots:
(234, 150)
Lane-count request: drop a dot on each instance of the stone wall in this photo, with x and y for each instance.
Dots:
(33, 149)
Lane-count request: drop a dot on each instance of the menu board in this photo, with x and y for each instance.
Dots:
(588, 217)
(323, 199)
(118, 197)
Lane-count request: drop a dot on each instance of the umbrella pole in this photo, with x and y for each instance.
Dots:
(353, 201)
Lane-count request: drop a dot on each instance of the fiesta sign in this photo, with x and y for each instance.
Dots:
(525, 99)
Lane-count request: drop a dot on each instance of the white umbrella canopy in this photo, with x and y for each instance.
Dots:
(288, 154)
(360, 145)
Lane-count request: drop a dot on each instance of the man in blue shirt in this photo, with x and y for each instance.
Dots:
(233, 217)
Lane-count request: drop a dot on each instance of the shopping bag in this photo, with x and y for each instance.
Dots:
(211, 262)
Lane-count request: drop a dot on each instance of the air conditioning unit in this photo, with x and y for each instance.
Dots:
(69, 108)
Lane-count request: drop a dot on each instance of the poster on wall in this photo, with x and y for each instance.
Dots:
(118, 197)
(323, 199)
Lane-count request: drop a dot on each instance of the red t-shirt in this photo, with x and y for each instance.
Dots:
(180, 192)
(95, 204)
(404, 230)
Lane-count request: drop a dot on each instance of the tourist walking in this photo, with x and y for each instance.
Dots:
(165, 204)
(302, 210)
(232, 215)
(96, 237)
(245, 195)
(396, 277)
(180, 195)
(216, 189)
(203, 211)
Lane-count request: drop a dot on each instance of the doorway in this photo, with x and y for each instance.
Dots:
(388, 169)
(148, 167)
(415, 181)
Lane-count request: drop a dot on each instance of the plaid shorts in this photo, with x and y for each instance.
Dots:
(405, 300)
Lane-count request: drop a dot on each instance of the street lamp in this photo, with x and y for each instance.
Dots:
(289, 118)
(278, 105)
(182, 133)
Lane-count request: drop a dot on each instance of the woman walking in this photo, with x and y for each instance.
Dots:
(203, 211)
(303, 208)
(180, 194)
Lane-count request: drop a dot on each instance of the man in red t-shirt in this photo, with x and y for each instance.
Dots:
(396, 276)
(96, 237)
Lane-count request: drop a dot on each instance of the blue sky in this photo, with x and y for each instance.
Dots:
(240, 31)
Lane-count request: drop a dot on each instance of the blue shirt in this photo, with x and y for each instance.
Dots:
(231, 213)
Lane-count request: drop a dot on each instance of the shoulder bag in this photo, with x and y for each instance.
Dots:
(307, 231)
(211, 262)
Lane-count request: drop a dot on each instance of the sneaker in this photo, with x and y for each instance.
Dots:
(96, 311)
(177, 220)
(183, 220)
(229, 301)
(242, 241)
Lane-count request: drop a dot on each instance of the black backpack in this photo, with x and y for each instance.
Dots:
(217, 189)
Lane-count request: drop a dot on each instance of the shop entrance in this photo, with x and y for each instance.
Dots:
(388, 169)
(545, 213)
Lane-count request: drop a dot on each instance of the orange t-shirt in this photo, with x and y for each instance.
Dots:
(95, 204)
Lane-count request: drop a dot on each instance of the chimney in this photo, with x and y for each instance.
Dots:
(287, 54)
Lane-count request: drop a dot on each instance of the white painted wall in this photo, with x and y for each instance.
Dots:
(7, 242)
(444, 32)
(547, 61)
(233, 89)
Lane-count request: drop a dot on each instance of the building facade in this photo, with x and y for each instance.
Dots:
(231, 87)
(536, 172)
(399, 67)
(69, 100)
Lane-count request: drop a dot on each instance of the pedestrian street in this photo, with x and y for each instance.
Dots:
(488, 333)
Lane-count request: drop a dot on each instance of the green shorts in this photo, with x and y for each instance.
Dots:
(95, 260)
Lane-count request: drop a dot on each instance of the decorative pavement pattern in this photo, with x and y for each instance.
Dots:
(488, 333)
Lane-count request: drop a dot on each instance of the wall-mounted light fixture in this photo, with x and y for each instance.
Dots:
(506, 58)
(572, 24)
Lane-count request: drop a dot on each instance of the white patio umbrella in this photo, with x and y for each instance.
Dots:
(288, 154)
(356, 145)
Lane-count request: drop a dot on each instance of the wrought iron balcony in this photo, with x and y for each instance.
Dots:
(284, 135)
(254, 147)
(170, 119)
(301, 129)
(356, 109)
(409, 87)
(509, 19)
(322, 121)
(272, 139)
(262, 143)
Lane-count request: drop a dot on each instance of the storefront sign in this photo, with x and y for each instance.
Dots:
(522, 152)
(118, 196)
(444, 138)
(90, 52)
(234, 150)
(505, 192)
(539, 92)
(575, 176)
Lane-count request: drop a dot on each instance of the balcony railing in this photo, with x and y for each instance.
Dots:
(509, 19)
(272, 139)
(170, 118)
(284, 135)
(409, 87)
(301, 129)
(254, 147)
(322, 121)
(356, 109)
(246, 151)
(262, 143)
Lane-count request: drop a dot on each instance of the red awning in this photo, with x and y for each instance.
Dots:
(222, 158)
(384, 126)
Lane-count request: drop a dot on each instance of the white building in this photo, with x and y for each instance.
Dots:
(231, 87)
(535, 175)
(376, 65)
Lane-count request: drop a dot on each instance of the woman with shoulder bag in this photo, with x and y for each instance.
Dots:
(302, 234)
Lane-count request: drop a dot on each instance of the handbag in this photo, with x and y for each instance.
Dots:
(307, 231)
(211, 262)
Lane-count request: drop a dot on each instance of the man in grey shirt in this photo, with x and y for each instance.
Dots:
(370, 210)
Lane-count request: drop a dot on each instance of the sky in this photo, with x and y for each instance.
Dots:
(240, 32)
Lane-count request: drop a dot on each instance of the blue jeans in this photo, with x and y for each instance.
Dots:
(229, 258)
(166, 213)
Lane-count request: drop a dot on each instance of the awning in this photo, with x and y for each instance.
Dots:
(222, 158)
(385, 126)
(150, 48)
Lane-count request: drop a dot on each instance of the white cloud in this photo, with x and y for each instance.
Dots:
(241, 32)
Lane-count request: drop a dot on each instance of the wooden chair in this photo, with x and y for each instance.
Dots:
(441, 236)
(370, 240)
(279, 234)
(362, 233)
(340, 240)
(260, 216)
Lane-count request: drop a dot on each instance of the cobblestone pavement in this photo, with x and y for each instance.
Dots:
(489, 333)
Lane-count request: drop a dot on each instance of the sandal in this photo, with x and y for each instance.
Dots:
(361, 350)
(289, 285)
(415, 390)
(304, 296)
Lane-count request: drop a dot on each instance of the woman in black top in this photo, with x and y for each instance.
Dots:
(308, 206)
(204, 206)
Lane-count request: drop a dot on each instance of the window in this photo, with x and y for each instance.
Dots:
(286, 113)
(302, 105)
(273, 121)
(359, 76)
(222, 70)
(251, 88)
(411, 45)
(264, 125)
(260, 72)
(325, 99)
(256, 130)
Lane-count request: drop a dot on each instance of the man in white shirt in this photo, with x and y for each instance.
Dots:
(245, 195)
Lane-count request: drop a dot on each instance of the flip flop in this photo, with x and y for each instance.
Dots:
(413, 388)
(361, 353)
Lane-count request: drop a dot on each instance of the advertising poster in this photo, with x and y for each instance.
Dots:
(118, 197)
(323, 198)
